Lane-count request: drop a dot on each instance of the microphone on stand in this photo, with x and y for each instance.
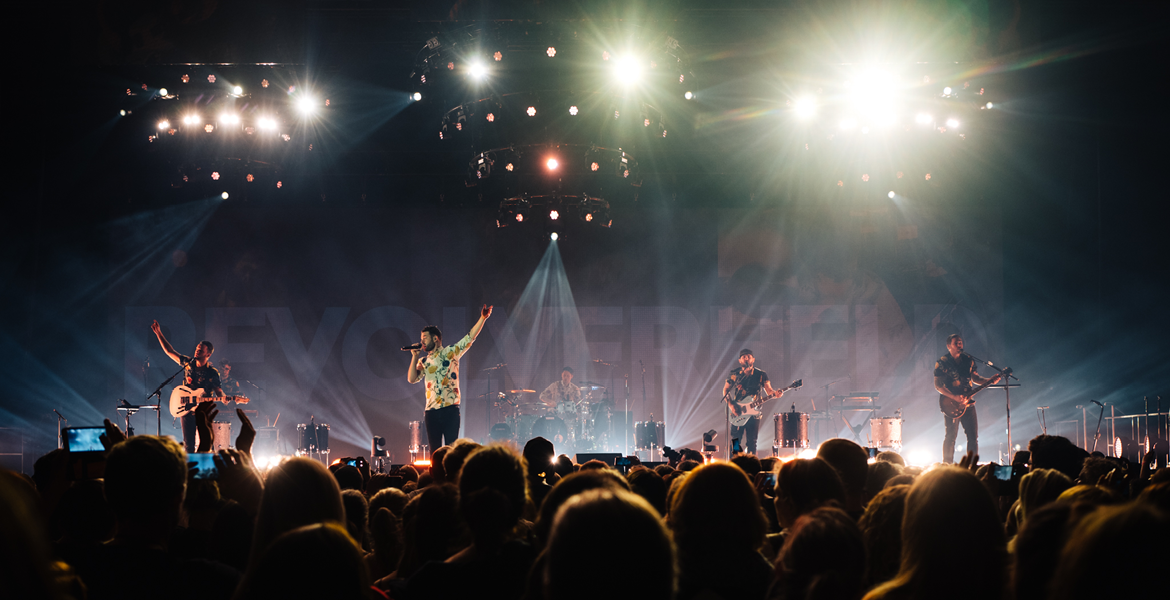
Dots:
(1097, 403)
(412, 347)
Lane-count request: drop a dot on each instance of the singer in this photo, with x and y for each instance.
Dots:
(200, 374)
(438, 365)
(954, 376)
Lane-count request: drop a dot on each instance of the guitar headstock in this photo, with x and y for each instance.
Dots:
(796, 384)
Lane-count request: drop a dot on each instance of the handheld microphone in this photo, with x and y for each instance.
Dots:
(412, 347)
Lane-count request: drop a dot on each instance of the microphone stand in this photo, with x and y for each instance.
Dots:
(727, 411)
(158, 405)
(1007, 393)
(1097, 436)
(60, 442)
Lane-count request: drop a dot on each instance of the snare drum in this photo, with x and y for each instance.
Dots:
(792, 430)
(648, 434)
(886, 432)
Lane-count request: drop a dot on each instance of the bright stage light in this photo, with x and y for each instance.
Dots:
(594, 167)
(891, 194)
(923, 119)
(224, 195)
(508, 167)
(209, 128)
(989, 106)
(588, 217)
(164, 124)
(551, 52)
(947, 91)
(477, 70)
(573, 110)
(237, 90)
(848, 123)
(306, 105)
(122, 112)
(519, 218)
(229, 119)
(627, 70)
(266, 123)
(553, 236)
(689, 96)
(554, 215)
(498, 56)
(807, 453)
(552, 166)
(416, 96)
(215, 175)
(953, 123)
(531, 111)
(192, 119)
(162, 92)
(491, 117)
(805, 107)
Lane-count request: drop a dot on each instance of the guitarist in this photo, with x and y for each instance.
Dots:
(748, 381)
(200, 374)
(954, 376)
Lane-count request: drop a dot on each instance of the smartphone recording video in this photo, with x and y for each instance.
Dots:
(204, 467)
(83, 439)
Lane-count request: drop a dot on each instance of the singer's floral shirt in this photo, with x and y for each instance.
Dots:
(441, 374)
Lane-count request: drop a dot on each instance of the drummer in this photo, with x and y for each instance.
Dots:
(560, 392)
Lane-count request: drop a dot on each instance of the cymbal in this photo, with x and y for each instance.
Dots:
(592, 383)
(521, 391)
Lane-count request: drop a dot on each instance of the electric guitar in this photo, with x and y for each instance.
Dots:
(743, 410)
(184, 399)
(955, 409)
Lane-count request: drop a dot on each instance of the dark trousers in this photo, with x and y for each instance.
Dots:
(442, 424)
(188, 423)
(747, 434)
(970, 427)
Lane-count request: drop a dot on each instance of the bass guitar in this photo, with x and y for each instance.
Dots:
(955, 409)
(185, 399)
(743, 410)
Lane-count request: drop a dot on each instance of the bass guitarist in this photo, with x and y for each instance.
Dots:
(200, 374)
(748, 381)
(954, 376)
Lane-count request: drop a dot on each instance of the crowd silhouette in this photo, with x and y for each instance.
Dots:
(495, 522)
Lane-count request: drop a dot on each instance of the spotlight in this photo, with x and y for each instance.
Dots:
(416, 96)
(553, 236)
(162, 92)
(989, 105)
(122, 112)
(266, 123)
(209, 128)
(805, 107)
(215, 175)
(554, 215)
(627, 70)
(519, 218)
(848, 123)
(237, 90)
(508, 167)
(923, 119)
(306, 105)
(953, 123)
(551, 52)
(164, 124)
(477, 70)
(891, 194)
(552, 166)
(594, 167)
(498, 56)
(229, 119)
(191, 119)
(947, 91)
(531, 111)
(573, 110)
(491, 117)
(588, 217)
(689, 96)
(224, 195)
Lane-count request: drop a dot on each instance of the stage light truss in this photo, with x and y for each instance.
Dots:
(583, 209)
(583, 164)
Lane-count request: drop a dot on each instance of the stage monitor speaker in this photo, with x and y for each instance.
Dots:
(608, 458)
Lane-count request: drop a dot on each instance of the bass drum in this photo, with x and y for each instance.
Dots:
(500, 432)
(551, 429)
(649, 434)
(792, 430)
(886, 432)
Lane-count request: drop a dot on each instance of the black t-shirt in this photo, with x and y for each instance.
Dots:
(200, 377)
(746, 386)
(955, 373)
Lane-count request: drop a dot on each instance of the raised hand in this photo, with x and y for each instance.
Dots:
(238, 479)
(970, 461)
(156, 328)
(485, 312)
(112, 437)
(247, 433)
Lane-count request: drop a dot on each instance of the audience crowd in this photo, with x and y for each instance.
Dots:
(488, 521)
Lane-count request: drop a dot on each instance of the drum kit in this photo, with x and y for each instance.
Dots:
(792, 428)
(574, 426)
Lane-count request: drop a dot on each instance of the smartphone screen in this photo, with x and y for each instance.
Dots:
(770, 478)
(353, 462)
(735, 447)
(204, 465)
(84, 439)
(1003, 472)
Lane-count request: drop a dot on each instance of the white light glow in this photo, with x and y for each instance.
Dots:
(229, 119)
(306, 105)
(266, 123)
(416, 96)
(164, 124)
(552, 166)
(923, 119)
(553, 236)
(224, 195)
(573, 110)
(848, 123)
(627, 70)
(554, 215)
(689, 96)
(237, 90)
(162, 92)
(808, 453)
(477, 70)
(805, 107)
(891, 194)
(918, 458)
(947, 91)
(953, 123)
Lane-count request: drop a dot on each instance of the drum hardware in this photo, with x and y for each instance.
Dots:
(314, 439)
(886, 432)
(487, 405)
(378, 454)
(415, 449)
